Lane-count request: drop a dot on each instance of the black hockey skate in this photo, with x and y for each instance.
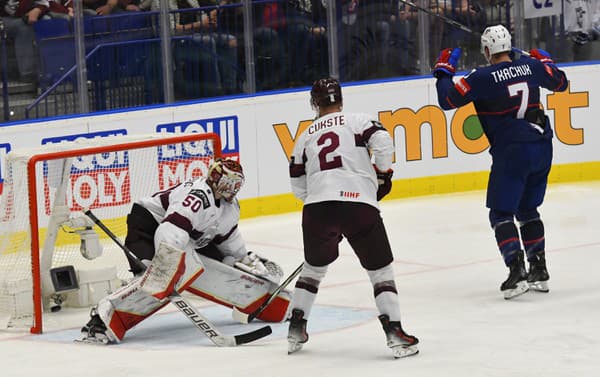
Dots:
(516, 283)
(538, 277)
(401, 343)
(94, 332)
(297, 334)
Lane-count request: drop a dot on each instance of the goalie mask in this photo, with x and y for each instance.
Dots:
(226, 178)
(325, 92)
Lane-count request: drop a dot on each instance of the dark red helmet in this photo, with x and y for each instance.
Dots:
(326, 92)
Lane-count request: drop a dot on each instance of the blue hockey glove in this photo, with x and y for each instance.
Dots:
(447, 62)
(541, 55)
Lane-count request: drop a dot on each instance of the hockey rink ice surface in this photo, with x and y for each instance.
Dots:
(448, 273)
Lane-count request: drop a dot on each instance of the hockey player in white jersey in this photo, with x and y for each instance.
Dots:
(340, 168)
(166, 232)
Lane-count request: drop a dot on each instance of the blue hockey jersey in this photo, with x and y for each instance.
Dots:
(505, 95)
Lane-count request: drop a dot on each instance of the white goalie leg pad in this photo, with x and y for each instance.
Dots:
(193, 269)
(165, 271)
(143, 296)
(125, 308)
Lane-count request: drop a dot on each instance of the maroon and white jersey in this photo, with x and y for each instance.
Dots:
(189, 213)
(331, 159)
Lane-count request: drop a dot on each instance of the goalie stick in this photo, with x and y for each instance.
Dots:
(186, 308)
(247, 318)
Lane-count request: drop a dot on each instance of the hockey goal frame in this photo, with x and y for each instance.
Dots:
(37, 319)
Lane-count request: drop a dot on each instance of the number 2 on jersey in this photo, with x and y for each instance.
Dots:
(334, 142)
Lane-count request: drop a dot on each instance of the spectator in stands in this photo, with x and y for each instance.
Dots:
(364, 37)
(61, 9)
(466, 12)
(403, 37)
(17, 18)
(218, 50)
(582, 23)
(64, 9)
(306, 40)
(366, 34)
(106, 7)
(269, 53)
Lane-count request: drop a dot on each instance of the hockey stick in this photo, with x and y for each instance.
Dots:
(455, 23)
(522, 52)
(443, 18)
(246, 318)
(185, 307)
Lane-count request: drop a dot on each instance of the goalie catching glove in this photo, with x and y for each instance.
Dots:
(384, 182)
(262, 267)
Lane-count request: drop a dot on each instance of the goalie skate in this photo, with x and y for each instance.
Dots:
(94, 332)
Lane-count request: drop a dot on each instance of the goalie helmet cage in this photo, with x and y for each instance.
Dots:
(47, 189)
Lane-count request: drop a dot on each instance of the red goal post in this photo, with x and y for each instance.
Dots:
(104, 174)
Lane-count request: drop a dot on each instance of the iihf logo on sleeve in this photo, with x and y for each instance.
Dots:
(100, 180)
(4, 149)
(181, 162)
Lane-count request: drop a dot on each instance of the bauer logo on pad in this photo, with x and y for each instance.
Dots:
(100, 180)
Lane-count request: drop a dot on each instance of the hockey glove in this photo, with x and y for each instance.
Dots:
(447, 62)
(541, 55)
(259, 266)
(384, 182)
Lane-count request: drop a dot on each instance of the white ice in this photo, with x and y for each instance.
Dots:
(448, 274)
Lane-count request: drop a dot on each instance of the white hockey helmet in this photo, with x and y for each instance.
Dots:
(496, 39)
(225, 177)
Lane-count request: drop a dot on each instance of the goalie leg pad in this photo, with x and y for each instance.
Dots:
(165, 271)
(125, 308)
(141, 298)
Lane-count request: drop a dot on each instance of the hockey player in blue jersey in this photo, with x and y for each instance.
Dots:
(506, 96)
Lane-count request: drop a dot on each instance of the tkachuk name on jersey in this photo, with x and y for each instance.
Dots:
(511, 72)
(347, 194)
(337, 120)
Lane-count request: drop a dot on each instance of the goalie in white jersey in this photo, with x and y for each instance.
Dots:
(340, 168)
(166, 231)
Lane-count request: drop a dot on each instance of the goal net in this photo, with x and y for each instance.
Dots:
(51, 254)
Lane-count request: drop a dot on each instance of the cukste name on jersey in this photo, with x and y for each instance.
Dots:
(337, 120)
(511, 72)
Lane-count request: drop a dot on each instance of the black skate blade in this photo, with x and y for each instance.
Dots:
(522, 287)
(539, 286)
(400, 352)
(92, 341)
(294, 347)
